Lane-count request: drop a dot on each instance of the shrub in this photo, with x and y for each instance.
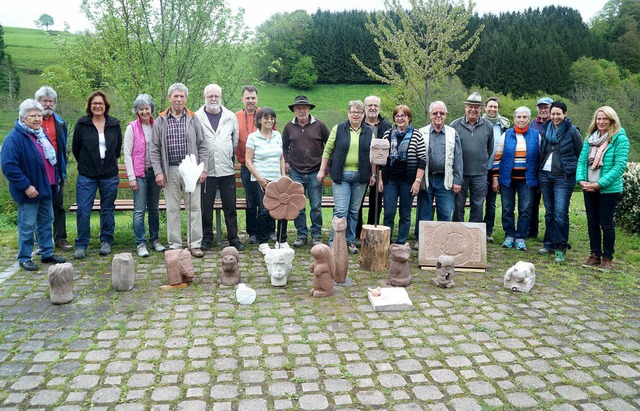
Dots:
(628, 210)
(303, 74)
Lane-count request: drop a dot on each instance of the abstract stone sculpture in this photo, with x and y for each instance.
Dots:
(322, 268)
(122, 272)
(379, 151)
(284, 199)
(190, 171)
(445, 271)
(245, 295)
(279, 265)
(179, 266)
(399, 271)
(390, 299)
(61, 281)
(339, 249)
(229, 263)
(521, 277)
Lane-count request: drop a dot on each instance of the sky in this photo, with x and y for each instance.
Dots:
(16, 14)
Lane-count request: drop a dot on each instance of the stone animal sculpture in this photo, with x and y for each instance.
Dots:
(245, 295)
(61, 281)
(399, 271)
(229, 264)
(521, 277)
(339, 249)
(322, 269)
(179, 266)
(445, 271)
(122, 272)
(279, 265)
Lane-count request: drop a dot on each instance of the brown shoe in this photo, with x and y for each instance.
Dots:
(592, 261)
(196, 252)
(64, 245)
(605, 265)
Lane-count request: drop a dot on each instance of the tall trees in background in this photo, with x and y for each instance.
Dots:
(618, 23)
(9, 80)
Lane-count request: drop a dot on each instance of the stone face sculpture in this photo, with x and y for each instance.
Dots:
(521, 277)
(229, 263)
(61, 281)
(322, 269)
(399, 271)
(122, 272)
(245, 295)
(279, 265)
(284, 199)
(445, 271)
(339, 249)
(179, 266)
(379, 151)
(190, 171)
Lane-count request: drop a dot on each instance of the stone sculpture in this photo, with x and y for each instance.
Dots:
(445, 271)
(390, 299)
(284, 199)
(322, 268)
(179, 266)
(399, 271)
(229, 263)
(245, 295)
(61, 281)
(190, 171)
(379, 151)
(122, 272)
(521, 277)
(339, 249)
(279, 265)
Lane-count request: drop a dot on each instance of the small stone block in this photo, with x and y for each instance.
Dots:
(122, 272)
(61, 281)
(391, 299)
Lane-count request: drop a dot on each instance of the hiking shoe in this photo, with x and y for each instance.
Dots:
(142, 250)
(592, 261)
(54, 259)
(64, 245)
(157, 246)
(29, 266)
(521, 245)
(264, 248)
(205, 246)
(237, 245)
(252, 239)
(559, 256)
(545, 250)
(197, 252)
(352, 248)
(508, 243)
(300, 241)
(316, 240)
(79, 253)
(105, 248)
(605, 265)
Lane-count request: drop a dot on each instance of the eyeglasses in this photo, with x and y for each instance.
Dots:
(400, 116)
(97, 104)
(356, 113)
(212, 97)
(34, 116)
(372, 105)
(439, 113)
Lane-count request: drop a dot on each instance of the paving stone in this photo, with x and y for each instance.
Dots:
(27, 382)
(106, 395)
(427, 393)
(465, 404)
(313, 402)
(307, 373)
(443, 375)
(279, 389)
(481, 388)
(224, 391)
(624, 371)
(571, 393)
(391, 380)
(337, 385)
(371, 398)
(521, 400)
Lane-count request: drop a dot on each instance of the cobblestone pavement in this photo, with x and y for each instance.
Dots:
(573, 343)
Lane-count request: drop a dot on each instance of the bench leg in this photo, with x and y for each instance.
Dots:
(218, 228)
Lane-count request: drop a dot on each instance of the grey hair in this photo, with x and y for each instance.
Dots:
(46, 91)
(178, 86)
(522, 109)
(437, 103)
(357, 104)
(374, 98)
(213, 86)
(143, 100)
(28, 105)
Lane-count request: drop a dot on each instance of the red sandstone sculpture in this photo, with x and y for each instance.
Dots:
(229, 264)
(339, 249)
(399, 271)
(284, 199)
(322, 269)
(179, 266)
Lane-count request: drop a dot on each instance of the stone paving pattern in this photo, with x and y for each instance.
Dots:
(568, 345)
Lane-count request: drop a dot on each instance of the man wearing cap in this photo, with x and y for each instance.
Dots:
(544, 114)
(476, 139)
(303, 140)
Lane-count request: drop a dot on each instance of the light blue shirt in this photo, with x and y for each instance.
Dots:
(266, 154)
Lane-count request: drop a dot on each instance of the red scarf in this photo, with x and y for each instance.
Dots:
(520, 130)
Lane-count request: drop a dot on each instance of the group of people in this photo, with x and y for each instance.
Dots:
(469, 161)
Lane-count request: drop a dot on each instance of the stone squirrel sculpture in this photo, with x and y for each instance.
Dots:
(322, 269)
(229, 264)
(399, 271)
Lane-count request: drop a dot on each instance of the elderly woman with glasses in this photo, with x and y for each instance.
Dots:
(28, 163)
(96, 145)
(351, 169)
(404, 171)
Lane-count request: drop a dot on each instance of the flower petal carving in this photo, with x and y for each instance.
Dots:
(284, 199)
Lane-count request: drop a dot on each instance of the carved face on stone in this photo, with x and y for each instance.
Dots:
(400, 252)
(229, 260)
(379, 151)
(279, 262)
(339, 223)
(444, 269)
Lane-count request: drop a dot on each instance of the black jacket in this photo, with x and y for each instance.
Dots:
(85, 147)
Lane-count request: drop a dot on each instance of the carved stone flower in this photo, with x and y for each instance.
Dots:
(284, 199)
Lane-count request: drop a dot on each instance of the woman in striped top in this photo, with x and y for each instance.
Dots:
(515, 171)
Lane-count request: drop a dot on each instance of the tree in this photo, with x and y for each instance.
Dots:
(44, 20)
(9, 79)
(428, 42)
(303, 74)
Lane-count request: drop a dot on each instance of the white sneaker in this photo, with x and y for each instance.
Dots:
(281, 245)
(157, 246)
(142, 251)
(264, 248)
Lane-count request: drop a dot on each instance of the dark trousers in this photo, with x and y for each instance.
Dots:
(601, 209)
(59, 215)
(227, 187)
(373, 218)
(490, 205)
(534, 221)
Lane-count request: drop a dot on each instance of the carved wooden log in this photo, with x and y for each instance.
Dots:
(375, 245)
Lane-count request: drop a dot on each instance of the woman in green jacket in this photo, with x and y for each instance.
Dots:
(602, 162)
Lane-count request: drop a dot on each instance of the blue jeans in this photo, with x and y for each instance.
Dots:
(444, 202)
(601, 210)
(35, 217)
(490, 205)
(313, 191)
(146, 199)
(394, 190)
(86, 189)
(476, 187)
(525, 196)
(556, 194)
(347, 197)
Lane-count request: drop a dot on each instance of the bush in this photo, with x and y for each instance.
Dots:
(303, 74)
(628, 210)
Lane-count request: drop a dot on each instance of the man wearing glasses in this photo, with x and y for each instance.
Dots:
(303, 140)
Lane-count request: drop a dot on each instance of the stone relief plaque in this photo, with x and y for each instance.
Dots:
(465, 242)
